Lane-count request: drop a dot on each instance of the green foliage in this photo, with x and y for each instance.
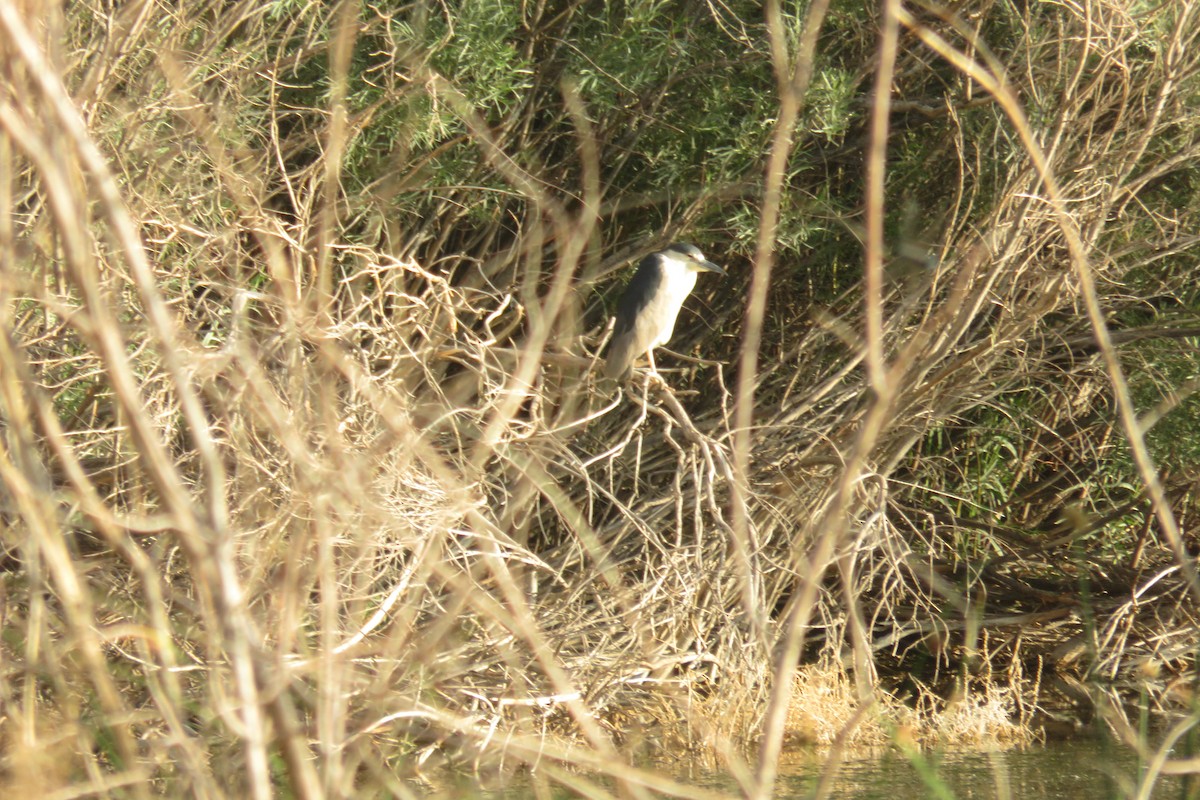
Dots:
(1170, 366)
(477, 49)
(829, 103)
(682, 103)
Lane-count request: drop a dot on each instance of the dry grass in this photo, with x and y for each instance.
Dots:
(827, 711)
(286, 512)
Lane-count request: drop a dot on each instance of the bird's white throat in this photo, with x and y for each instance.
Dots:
(679, 278)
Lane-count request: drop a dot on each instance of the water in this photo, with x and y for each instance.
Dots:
(1068, 770)
(1079, 769)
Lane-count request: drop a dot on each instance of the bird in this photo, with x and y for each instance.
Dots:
(647, 310)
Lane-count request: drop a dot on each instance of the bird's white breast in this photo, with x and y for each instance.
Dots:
(677, 283)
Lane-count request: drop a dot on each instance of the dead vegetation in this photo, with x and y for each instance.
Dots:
(289, 507)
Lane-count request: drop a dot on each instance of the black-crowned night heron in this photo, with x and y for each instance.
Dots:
(647, 310)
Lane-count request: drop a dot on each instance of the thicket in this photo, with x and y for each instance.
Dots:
(308, 485)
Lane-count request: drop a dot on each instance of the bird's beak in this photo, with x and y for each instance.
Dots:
(708, 266)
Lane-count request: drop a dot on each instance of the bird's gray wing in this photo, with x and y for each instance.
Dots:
(630, 339)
